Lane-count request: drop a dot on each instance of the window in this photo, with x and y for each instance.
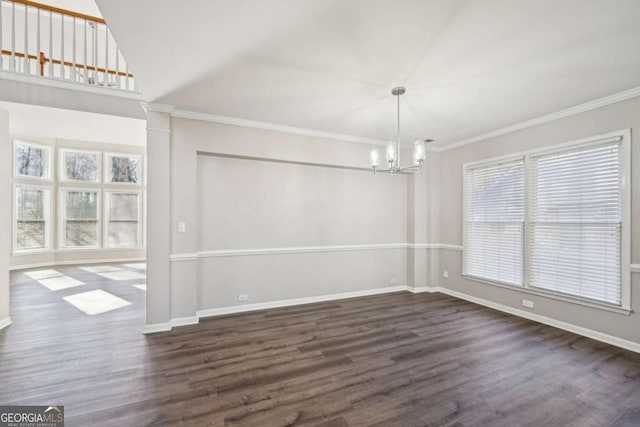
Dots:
(80, 222)
(494, 221)
(31, 160)
(575, 229)
(77, 165)
(31, 219)
(122, 217)
(123, 168)
(566, 208)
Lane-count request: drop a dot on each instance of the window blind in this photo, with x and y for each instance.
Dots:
(575, 221)
(494, 221)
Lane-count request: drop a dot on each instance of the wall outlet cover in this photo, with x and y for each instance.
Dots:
(243, 297)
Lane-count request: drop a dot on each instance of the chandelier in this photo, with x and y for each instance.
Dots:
(393, 148)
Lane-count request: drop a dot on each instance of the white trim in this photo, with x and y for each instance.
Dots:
(64, 84)
(622, 136)
(581, 108)
(154, 328)
(157, 108)
(587, 106)
(184, 321)
(158, 130)
(226, 120)
(183, 257)
(307, 249)
(73, 262)
(106, 216)
(552, 295)
(609, 339)
(423, 289)
(62, 169)
(635, 268)
(298, 250)
(47, 177)
(109, 156)
(5, 322)
(297, 301)
(589, 333)
(47, 197)
(434, 246)
(62, 216)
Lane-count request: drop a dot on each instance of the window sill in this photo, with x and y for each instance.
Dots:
(552, 295)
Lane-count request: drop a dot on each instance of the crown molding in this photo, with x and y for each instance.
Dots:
(226, 120)
(587, 106)
(157, 108)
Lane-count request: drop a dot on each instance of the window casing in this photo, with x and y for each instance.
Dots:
(79, 166)
(31, 219)
(576, 224)
(79, 218)
(122, 215)
(31, 161)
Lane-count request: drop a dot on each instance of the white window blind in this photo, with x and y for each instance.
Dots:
(575, 221)
(32, 218)
(122, 219)
(494, 221)
(80, 218)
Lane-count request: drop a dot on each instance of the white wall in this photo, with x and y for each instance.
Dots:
(613, 117)
(243, 204)
(5, 216)
(250, 204)
(293, 191)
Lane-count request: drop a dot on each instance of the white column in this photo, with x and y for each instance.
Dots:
(158, 221)
(5, 216)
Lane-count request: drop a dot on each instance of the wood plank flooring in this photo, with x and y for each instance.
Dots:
(388, 360)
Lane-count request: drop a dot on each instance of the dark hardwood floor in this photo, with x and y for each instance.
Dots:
(388, 360)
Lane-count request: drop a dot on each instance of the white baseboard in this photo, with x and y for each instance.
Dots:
(184, 321)
(153, 328)
(422, 289)
(298, 301)
(5, 322)
(74, 262)
(589, 333)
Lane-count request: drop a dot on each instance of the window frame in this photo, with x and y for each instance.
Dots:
(107, 218)
(63, 170)
(47, 214)
(47, 175)
(62, 205)
(107, 169)
(625, 250)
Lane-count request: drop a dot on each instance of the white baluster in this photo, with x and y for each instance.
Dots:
(1, 34)
(106, 57)
(73, 69)
(62, 46)
(25, 58)
(86, 73)
(50, 44)
(40, 70)
(13, 36)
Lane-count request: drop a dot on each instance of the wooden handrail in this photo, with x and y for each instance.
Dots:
(43, 60)
(59, 10)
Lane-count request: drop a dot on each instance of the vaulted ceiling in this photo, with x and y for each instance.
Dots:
(329, 65)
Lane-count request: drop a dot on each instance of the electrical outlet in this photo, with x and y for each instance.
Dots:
(182, 227)
(243, 297)
(445, 274)
(393, 281)
(527, 303)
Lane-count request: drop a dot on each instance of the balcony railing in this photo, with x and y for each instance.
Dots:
(46, 41)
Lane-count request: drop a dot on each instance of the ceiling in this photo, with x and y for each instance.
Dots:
(469, 66)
